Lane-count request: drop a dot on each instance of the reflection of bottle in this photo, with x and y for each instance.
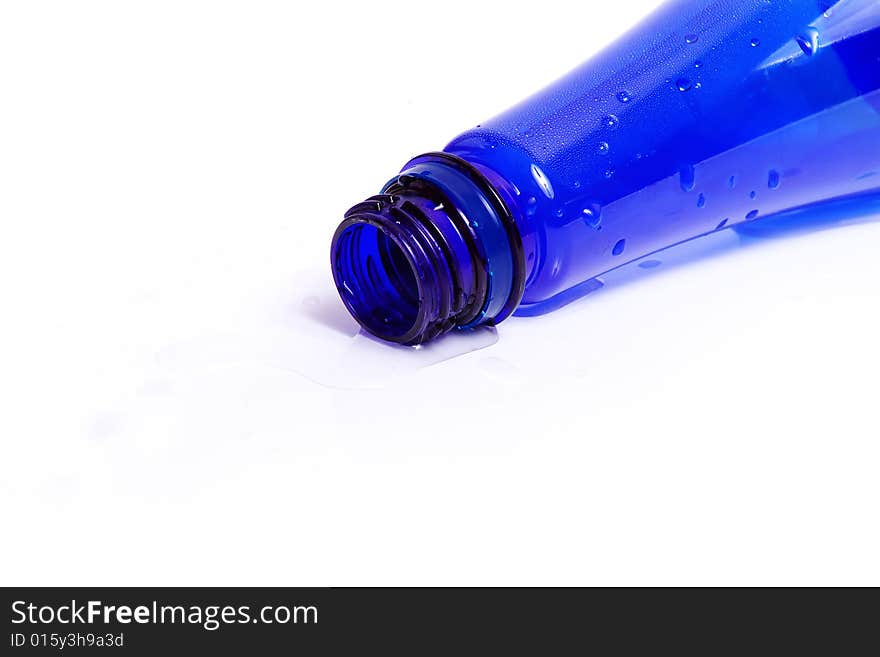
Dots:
(709, 114)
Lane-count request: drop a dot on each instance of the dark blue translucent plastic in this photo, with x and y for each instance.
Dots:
(708, 115)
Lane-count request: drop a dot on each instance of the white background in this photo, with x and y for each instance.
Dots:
(184, 400)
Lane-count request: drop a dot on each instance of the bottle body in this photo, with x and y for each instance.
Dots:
(709, 114)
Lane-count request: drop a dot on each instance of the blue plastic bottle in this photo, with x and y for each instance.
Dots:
(709, 114)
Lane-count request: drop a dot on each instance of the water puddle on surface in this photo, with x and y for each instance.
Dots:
(312, 334)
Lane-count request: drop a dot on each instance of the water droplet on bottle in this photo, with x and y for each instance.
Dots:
(773, 179)
(619, 247)
(560, 213)
(752, 215)
(603, 148)
(687, 178)
(612, 122)
(650, 264)
(609, 173)
(701, 201)
(698, 64)
(531, 206)
(722, 224)
(593, 215)
(809, 41)
(576, 184)
(755, 42)
(684, 84)
(543, 181)
(753, 195)
(731, 182)
(624, 96)
(691, 38)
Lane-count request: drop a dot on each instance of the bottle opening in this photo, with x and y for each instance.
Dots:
(377, 280)
(433, 252)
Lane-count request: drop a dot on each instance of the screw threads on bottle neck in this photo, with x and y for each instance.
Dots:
(423, 257)
(398, 265)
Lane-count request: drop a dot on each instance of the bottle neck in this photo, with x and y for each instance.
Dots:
(437, 250)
